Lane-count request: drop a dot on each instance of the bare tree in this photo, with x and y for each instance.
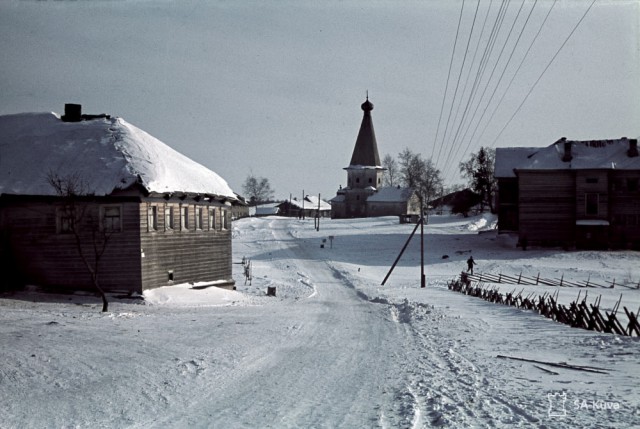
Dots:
(258, 189)
(390, 176)
(91, 238)
(420, 174)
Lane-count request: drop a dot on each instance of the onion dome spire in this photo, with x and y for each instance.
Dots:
(365, 153)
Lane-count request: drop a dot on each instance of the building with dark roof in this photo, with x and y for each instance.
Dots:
(583, 194)
(364, 195)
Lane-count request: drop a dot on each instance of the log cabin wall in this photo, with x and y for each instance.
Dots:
(43, 255)
(592, 194)
(547, 213)
(507, 204)
(624, 209)
(193, 246)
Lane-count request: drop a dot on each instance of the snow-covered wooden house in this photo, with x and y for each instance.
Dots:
(310, 206)
(166, 217)
(364, 195)
(571, 193)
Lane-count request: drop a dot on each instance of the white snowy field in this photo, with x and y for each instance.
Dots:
(333, 348)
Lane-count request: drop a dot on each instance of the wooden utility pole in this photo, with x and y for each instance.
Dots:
(422, 278)
(318, 215)
(421, 225)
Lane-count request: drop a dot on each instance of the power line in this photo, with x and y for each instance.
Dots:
(497, 85)
(497, 25)
(461, 142)
(543, 72)
(447, 85)
(464, 59)
(516, 72)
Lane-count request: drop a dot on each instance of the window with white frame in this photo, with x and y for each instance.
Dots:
(224, 218)
(152, 218)
(168, 218)
(184, 217)
(111, 218)
(199, 217)
(212, 219)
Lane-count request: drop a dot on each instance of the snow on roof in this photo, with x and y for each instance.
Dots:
(509, 158)
(311, 202)
(592, 222)
(391, 194)
(267, 209)
(106, 153)
(588, 154)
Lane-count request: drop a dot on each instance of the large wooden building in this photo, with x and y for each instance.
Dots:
(165, 219)
(364, 195)
(583, 194)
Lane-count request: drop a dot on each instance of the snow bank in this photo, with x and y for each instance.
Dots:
(185, 295)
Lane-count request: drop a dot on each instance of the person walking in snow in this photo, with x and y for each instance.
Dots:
(470, 264)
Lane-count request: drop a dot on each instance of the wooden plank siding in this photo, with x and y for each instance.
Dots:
(47, 258)
(624, 206)
(197, 253)
(137, 257)
(546, 212)
(594, 182)
(507, 203)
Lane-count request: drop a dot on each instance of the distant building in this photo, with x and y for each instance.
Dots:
(364, 195)
(463, 201)
(571, 193)
(167, 218)
(269, 209)
(309, 207)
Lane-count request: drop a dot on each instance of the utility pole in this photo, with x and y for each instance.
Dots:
(318, 215)
(421, 225)
(422, 278)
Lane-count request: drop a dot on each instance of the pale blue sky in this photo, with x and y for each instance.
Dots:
(275, 88)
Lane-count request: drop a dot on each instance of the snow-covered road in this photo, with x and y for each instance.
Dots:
(332, 349)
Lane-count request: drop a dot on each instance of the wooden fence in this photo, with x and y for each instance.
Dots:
(579, 314)
(533, 281)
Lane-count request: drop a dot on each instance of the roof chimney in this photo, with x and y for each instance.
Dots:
(72, 113)
(633, 148)
(567, 150)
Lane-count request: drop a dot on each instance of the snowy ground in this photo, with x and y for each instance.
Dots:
(333, 348)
